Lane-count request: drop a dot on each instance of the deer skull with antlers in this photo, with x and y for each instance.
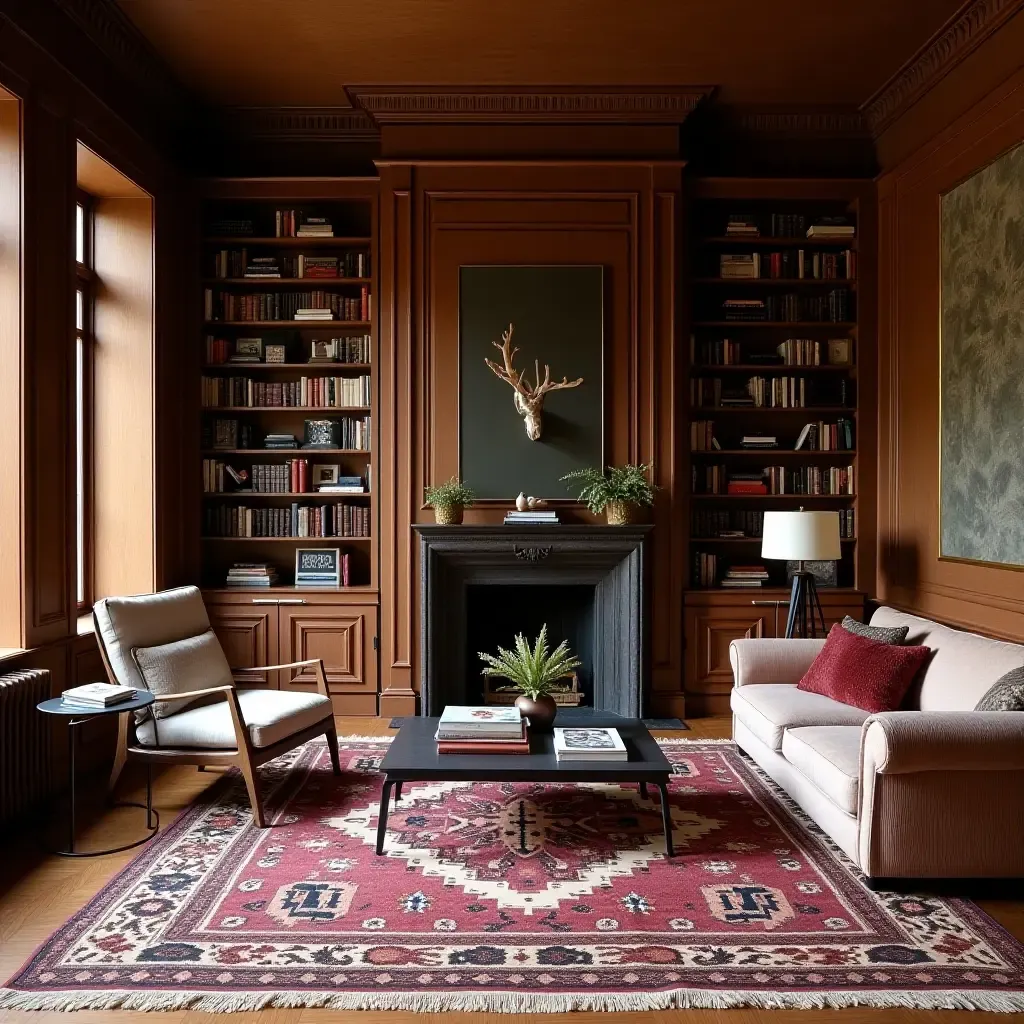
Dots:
(528, 399)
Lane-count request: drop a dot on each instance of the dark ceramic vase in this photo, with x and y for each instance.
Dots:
(541, 712)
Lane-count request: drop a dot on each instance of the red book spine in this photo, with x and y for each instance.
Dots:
(345, 570)
(444, 747)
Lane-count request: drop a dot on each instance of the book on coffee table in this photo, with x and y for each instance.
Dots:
(589, 744)
(466, 723)
(517, 744)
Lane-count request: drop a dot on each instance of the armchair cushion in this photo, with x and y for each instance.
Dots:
(768, 710)
(196, 663)
(829, 757)
(900, 742)
(270, 716)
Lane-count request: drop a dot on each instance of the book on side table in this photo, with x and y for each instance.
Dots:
(100, 695)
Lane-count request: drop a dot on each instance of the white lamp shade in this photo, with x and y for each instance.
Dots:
(801, 536)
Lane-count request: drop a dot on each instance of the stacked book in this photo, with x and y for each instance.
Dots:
(280, 441)
(98, 695)
(831, 228)
(739, 266)
(745, 576)
(344, 485)
(313, 313)
(759, 441)
(482, 730)
(251, 574)
(589, 744)
(263, 266)
(534, 517)
(747, 483)
(743, 225)
(315, 227)
(745, 309)
(317, 266)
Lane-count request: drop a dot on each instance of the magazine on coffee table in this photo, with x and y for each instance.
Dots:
(589, 744)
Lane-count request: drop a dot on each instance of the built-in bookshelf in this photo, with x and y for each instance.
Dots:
(773, 377)
(287, 389)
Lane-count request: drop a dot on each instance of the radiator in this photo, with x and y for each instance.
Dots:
(25, 760)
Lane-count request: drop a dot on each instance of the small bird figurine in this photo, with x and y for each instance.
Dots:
(522, 502)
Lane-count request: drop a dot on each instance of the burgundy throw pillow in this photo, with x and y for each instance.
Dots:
(864, 673)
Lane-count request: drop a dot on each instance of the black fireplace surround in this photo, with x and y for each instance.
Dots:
(455, 560)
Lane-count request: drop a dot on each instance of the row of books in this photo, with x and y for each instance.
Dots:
(251, 574)
(788, 264)
(811, 480)
(789, 225)
(285, 305)
(791, 352)
(351, 432)
(327, 520)
(297, 224)
(322, 392)
(758, 392)
(297, 476)
(236, 263)
(833, 307)
(354, 348)
(821, 436)
(736, 524)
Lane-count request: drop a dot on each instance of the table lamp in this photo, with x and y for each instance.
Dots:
(802, 537)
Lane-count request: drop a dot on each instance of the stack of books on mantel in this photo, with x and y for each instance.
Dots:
(531, 517)
(482, 730)
(745, 576)
(313, 313)
(251, 574)
(589, 744)
(98, 695)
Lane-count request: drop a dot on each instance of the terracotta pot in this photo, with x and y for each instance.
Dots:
(622, 513)
(448, 515)
(541, 712)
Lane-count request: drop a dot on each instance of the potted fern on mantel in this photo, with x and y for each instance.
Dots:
(448, 500)
(622, 492)
(534, 671)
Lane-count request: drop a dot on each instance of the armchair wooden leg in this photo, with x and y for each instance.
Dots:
(121, 753)
(332, 743)
(252, 783)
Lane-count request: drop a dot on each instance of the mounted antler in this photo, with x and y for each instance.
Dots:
(528, 399)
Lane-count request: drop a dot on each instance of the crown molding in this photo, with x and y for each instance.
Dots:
(400, 104)
(959, 37)
(300, 124)
(817, 122)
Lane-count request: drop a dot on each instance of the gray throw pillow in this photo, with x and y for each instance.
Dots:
(893, 635)
(183, 665)
(1005, 694)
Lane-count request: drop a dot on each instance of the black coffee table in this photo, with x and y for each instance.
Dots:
(413, 757)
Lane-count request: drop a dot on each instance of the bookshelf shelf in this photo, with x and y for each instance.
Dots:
(775, 453)
(287, 452)
(750, 410)
(794, 325)
(287, 408)
(774, 497)
(780, 282)
(340, 241)
(812, 243)
(290, 324)
(287, 495)
(308, 282)
(289, 540)
(783, 369)
(309, 367)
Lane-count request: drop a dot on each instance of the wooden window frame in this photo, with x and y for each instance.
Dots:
(85, 282)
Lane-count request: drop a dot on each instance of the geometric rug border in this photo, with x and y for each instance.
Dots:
(500, 1001)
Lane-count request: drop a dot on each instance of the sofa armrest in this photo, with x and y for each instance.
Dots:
(901, 742)
(772, 661)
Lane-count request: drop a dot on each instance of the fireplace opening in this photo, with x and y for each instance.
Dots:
(495, 613)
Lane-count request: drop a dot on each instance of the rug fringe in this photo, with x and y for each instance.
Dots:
(513, 1002)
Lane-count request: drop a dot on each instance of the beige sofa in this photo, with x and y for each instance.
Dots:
(933, 792)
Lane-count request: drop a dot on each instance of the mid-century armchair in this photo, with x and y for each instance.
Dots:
(164, 643)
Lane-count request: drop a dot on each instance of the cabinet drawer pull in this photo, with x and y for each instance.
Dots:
(265, 600)
(292, 600)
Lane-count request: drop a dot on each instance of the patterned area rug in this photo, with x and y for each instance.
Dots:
(510, 897)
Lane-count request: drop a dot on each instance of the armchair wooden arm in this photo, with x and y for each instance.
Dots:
(321, 672)
(190, 694)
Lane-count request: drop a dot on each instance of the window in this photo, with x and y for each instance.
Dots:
(84, 304)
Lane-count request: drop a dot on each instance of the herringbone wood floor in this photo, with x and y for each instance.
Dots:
(38, 892)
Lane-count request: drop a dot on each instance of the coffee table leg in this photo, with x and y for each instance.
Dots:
(398, 791)
(666, 819)
(382, 817)
(643, 790)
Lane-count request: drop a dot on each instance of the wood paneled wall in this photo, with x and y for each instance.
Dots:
(910, 573)
(437, 215)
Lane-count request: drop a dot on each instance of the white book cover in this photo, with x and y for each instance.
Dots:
(481, 718)
(589, 742)
(98, 693)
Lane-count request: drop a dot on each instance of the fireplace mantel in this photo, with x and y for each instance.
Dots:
(612, 559)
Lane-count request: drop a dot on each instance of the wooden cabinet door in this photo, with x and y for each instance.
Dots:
(709, 632)
(248, 631)
(342, 635)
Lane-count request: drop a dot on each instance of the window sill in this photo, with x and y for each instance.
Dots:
(85, 624)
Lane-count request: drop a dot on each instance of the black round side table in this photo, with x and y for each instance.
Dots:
(78, 714)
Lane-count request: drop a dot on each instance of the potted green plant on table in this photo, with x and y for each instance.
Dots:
(449, 500)
(621, 492)
(535, 671)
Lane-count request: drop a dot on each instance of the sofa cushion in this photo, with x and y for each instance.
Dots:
(862, 672)
(883, 634)
(829, 757)
(1005, 694)
(962, 668)
(270, 715)
(196, 663)
(768, 709)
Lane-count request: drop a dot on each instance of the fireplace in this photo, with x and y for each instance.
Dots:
(480, 585)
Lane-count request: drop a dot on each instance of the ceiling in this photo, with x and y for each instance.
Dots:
(792, 53)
